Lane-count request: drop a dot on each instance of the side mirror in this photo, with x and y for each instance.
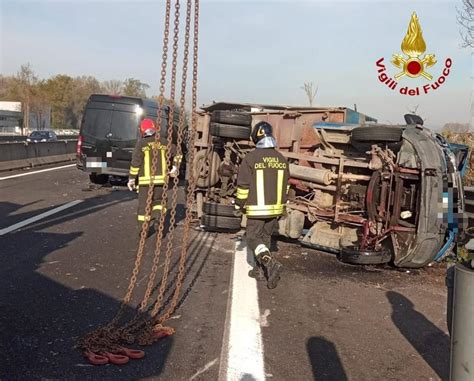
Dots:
(413, 119)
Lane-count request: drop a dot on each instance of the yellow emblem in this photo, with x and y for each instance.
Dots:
(260, 132)
(413, 45)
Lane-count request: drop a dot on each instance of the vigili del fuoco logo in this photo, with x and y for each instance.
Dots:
(413, 63)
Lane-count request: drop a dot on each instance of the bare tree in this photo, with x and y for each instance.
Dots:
(465, 19)
(310, 92)
(113, 87)
(134, 88)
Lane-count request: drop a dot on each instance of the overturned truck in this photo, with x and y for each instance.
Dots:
(369, 192)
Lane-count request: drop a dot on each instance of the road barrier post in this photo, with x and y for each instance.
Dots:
(462, 330)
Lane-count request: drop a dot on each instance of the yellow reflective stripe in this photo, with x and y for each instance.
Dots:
(177, 159)
(147, 164)
(156, 180)
(267, 210)
(279, 185)
(242, 193)
(134, 171)
(143, 218)
(287, 188)
(260, 188)
(163, 161)
(265, 207)
(157, 207)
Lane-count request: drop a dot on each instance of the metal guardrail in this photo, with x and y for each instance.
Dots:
(22, 154)
(19, 138)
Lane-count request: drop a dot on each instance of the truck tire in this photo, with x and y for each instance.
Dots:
(230, 131)
(353, 255)
(231, 117)
(215, 209)
(205, 168)
(377, 134)
(220, 222)
(98, 178)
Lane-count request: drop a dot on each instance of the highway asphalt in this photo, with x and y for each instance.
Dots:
(65, 273)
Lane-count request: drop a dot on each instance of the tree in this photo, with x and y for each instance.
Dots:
(39, 105)
(58, 91)
(82, 88)
(456, 127)
(112, 87)
(310, 92)
(22, 90)
(135, 88)
(465, 19)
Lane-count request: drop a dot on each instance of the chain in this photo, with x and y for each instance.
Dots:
(191, 177)
(107, 338)
(103, 337)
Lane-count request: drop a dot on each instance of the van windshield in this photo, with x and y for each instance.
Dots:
(113, 124)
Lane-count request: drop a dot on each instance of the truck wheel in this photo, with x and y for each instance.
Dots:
(353, 255)
(377, 134)
(216, 209)
(205, 168)
(220, 222)
(98, 178)
(231, 117)
(230, 131)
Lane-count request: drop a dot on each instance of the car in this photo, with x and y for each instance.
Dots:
(109, 131)
(42, 136)
(369, 192)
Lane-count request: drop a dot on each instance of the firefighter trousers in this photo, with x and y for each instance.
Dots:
(258, 231)
(156, 207)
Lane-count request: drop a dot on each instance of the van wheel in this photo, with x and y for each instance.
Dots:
(230, 131)
(353, 255)
(377, 134)
(98, 178)
(220, 222)
(205, 168)
(216, 209)
(231, 117)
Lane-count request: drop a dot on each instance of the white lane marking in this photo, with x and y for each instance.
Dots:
(242, 353)
(38, 217)
(35, 172)
(204, 369)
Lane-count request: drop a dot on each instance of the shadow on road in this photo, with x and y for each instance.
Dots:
(41, 319)
(428, 340)
(325, 361)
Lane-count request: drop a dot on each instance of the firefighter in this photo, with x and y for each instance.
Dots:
(262, 187)
(141, 168)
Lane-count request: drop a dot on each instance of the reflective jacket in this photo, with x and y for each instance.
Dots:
(262, 183)
(142, 159)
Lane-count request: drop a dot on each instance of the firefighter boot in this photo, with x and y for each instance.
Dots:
(257, 272)
(271, 266)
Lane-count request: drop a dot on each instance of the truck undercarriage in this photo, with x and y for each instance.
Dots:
(370, 193)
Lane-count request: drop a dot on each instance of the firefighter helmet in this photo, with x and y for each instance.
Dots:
(262, 135)
(147, 127)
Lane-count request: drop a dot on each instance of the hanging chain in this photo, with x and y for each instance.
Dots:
(102, 337)
(191, 176)
(182, 116)
(107, 338)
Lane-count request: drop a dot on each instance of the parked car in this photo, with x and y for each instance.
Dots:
(109, 131)
(42, 136)
(371, 193)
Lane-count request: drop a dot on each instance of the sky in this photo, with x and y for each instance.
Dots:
(252, 51)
